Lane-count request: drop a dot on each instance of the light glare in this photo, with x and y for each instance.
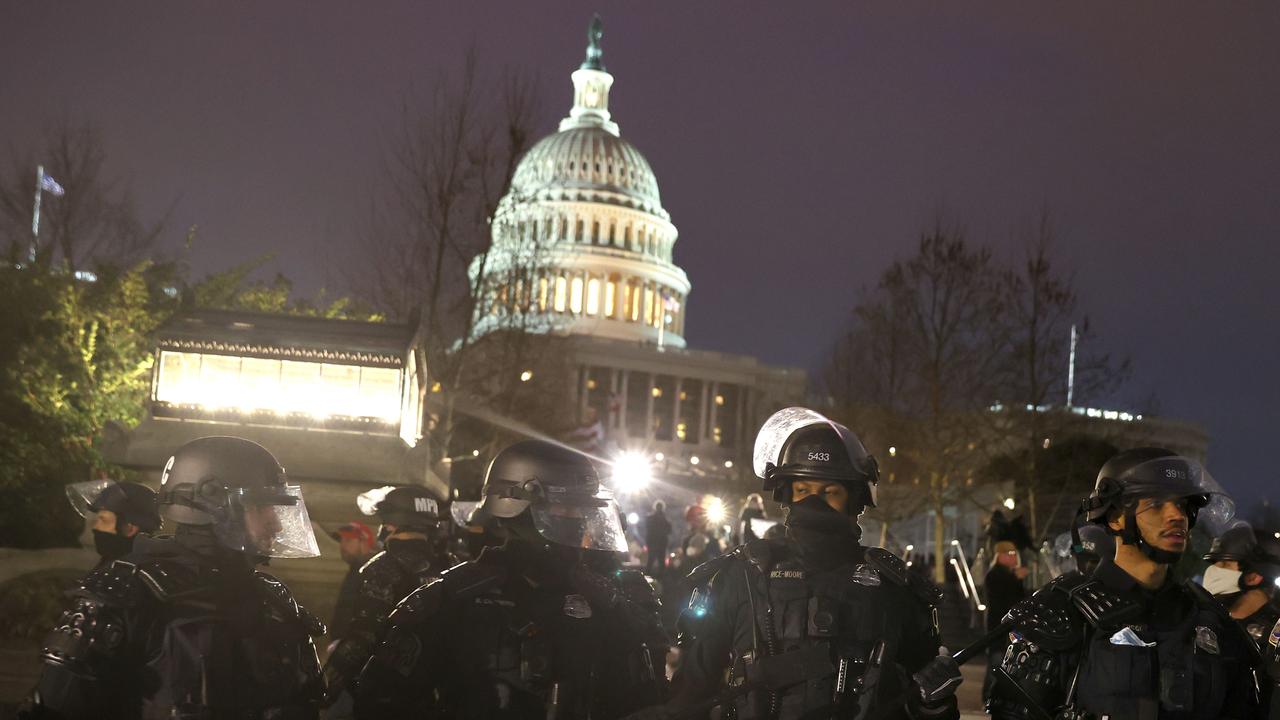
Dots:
(631, 472)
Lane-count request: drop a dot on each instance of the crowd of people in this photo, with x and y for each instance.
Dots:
(527, 605)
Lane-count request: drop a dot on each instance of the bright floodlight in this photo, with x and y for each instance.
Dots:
(715, 510)
(1008, 502)
(631, 472)
(526, 376)
(633, 518)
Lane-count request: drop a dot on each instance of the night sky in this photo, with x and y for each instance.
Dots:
(799, 148)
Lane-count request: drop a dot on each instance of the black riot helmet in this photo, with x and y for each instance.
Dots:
(559, 490)
(239, 489)
(797, 443)
(1090, 545)
(408, 507)
(1257, 552)
(1237, 544)
(1161, 474)
(131, 502)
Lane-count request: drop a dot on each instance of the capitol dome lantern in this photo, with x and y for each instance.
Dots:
(581, 242)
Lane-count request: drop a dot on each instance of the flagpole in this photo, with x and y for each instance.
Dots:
(1071, 368)
(35, 214)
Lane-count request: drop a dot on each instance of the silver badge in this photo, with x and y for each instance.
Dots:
(866, 575)
(576, 606)
(1207, 640)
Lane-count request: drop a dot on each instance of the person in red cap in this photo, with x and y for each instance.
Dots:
(357, 543)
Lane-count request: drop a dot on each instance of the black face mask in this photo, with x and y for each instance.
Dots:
(408, 546)
(111, 546)
(813, 514)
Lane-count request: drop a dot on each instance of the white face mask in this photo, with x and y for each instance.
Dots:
(1221, 581)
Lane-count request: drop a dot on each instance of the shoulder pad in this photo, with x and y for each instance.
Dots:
(279, 596)
(115, 584)
(636, 586)
(889, 565)
(703, 574)
(1046, 619)
(760, 552)
(168, 581)
(460, 582)
(380, 576)
(924, 589)
(1097, 603)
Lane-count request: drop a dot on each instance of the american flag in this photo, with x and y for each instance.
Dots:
(51, 186)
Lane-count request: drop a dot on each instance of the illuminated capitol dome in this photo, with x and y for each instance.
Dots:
(581, 243)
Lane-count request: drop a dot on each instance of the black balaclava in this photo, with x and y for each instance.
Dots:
(111, 546)
(820, 533)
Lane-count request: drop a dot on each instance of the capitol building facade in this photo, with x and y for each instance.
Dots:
(583, 248)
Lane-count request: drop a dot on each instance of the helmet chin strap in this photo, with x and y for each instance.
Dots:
(1131, 535)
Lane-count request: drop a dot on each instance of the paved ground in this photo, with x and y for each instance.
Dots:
(970, 692)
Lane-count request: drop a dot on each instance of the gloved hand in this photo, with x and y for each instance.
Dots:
(938, 680)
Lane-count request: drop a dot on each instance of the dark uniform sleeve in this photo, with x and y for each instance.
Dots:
(410, 672)
(920, 636)
(636, 672)
(1044, 650)
(1248, 696)
(705, 632)
(89, 669)
(373, 603)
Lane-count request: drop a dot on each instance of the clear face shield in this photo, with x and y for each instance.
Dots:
(83, 495)
(1178, 479)
(272, 522)
(589, 524)
(369, 500)
(460, 512)
(781, 425)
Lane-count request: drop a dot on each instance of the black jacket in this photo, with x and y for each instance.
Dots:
(519, 632)
(773, 598)
(180, 629)
(385, 580)
(1127, 652)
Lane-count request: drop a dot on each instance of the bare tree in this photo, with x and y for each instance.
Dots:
(96, 221)
(1040, 309)
(426, 250)
(920, 360)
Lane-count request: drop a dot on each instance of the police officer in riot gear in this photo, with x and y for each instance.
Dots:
(120, 511)
(415, 533)
(184, 626)
(1243, 576)
(1130, 640)
(863, 626)
(529, 628)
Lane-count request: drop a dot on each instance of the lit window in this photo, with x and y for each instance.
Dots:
(681, 429)
(656, 391)
(610, 289)
(542, 293)
(591, 384)
(561, 291)
(684, 395)
(575, 296)
(648, 306)
(633, 301)
(593, 297)
(715, 435)
(719, 399)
